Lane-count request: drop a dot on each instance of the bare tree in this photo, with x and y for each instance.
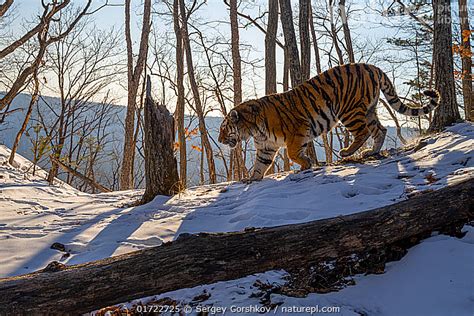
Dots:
(324, 136)
(49, 12)
(305, 44)
(447, 112)
(180, 103)
(286, 17)
(317, 56)
(133, 77)
(196, 97)
(270, 48)
(42, 37)
(239, 163)
(5, 6)
(333, 33)
(466, 55)
(33, 101)
(82, 66)
(346, 30)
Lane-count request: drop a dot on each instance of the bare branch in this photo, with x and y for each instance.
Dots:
(5, 6)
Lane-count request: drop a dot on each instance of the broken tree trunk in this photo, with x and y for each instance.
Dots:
(206, 258)
(76, 173)
(161, 171)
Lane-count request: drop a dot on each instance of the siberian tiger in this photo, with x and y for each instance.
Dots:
(347, 93)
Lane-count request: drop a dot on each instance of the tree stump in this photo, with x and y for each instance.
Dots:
(161, 172)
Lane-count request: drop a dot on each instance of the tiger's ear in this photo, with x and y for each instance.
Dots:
(234, 116)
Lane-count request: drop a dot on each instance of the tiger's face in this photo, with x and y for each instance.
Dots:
(229, 133)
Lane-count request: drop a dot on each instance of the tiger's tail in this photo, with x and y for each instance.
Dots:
(389, 92)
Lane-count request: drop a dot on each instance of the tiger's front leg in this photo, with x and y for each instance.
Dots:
(263, 160)
(296, 152)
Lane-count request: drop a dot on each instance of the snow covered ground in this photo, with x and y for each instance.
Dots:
(435, 278)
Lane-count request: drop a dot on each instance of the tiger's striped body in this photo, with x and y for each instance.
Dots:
(347, 93)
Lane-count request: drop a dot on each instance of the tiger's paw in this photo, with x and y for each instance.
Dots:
(246, 181)
(250, 180)
(367, 153)
(344, 152)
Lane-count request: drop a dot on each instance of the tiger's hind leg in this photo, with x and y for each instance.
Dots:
(377, 132)
(356, 124)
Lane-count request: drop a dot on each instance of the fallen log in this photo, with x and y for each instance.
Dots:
(206, 258)
(76, 173)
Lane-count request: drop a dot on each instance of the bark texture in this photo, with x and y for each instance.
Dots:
(34, 99)
(270, 56)
(447, 113)
(286, 17)
(180, 103)
(346, 30)
(466, 55)
(196, 97)
(298, 72)
(270, 48)
(133, 76)
(305, 43)
(239, 164)
(161, 172)
(206, 258)
(335, 39)
(5, 6)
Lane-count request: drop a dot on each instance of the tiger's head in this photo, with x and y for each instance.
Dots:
(239, 123)
(229, 131)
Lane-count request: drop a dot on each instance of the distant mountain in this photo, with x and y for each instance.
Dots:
(113, 148)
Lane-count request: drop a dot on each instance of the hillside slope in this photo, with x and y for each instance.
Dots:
(435, 274)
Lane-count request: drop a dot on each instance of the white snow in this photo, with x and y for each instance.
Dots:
(433, 279)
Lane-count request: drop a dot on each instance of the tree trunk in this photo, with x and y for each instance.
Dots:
(447, 113)
(286, 87)
(270, 56)
(207, 258)
(5, 6)
(236, 60)
(197, 101)
(34, 99)
(334, 33)
(180, 104)
(239, 164)
(466, 55)
(161, 172)
(133, 76)
(346, 30)
(305, 44)
(317, 56)
(286, 17)
(297, 74)
(270, 48)
(324, 136)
